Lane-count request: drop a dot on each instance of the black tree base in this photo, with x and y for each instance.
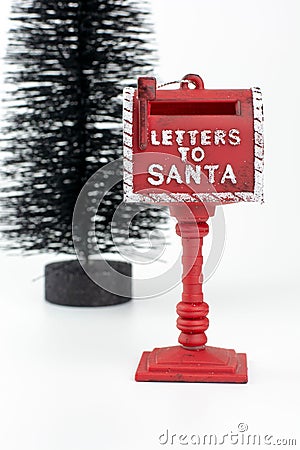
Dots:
(66, 283)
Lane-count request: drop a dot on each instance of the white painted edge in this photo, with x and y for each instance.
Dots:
(218, 197)
(258, 121)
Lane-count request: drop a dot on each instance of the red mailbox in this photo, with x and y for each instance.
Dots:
(192, 148)
(198, 144)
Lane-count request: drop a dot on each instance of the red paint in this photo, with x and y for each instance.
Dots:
(192, 361)
(192, 149)
(210, 365)
(146, 92)
(210, 128)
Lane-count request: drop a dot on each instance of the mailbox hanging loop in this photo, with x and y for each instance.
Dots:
(192, 78)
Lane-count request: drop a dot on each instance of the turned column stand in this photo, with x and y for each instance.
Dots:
(192, 360)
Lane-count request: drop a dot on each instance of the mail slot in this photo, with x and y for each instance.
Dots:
(194, 108)
(192, 144)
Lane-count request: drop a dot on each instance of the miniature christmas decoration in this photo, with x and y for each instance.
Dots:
(63, 122)
(192, 149)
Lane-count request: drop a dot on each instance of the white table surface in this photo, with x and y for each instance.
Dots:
(67, 374)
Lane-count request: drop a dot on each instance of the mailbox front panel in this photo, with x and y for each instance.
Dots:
(201, 145)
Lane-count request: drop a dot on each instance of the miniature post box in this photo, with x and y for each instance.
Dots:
(192, 148)
(198, 144)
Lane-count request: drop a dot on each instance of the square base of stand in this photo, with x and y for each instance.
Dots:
(207, 365)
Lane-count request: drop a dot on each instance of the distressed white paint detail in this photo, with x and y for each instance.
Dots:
(161, 198)
(128, 94)
(211, 172)
(127, 140)
(179, 136)
(127, 115)
(128, 177)
(127, 189)
(259, 184)
(245, 196)
(258, 138)
(205, 137)
(258, 145)
(258, 126)
(127, 127)
(212, 198)
(137, 198)
(258, 163)
(184, 198)
(218, 197)
(128, 105)
(154, 140)
(257, 196)
(257, 104)
(159, 175)
(127, 152)
(259, 152)
(128, 165)
(166, 137)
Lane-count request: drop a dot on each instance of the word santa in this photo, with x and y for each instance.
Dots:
(191, 145)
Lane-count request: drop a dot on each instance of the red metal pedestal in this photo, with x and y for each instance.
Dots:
(192, 361)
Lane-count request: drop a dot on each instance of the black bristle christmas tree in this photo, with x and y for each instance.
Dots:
(67, 64)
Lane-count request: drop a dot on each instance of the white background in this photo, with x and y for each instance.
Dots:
(67, 375)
